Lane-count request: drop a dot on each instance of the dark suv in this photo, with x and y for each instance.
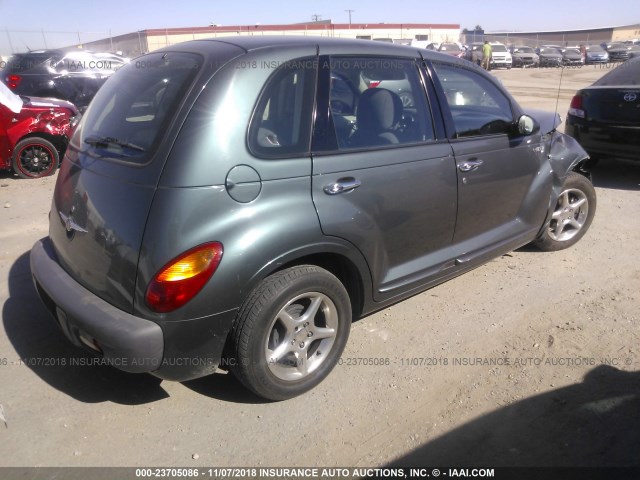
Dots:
(72, 75)
(236, 203)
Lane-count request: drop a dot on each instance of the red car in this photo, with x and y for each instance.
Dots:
(34, 133)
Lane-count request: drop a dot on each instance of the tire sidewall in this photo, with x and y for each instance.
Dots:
(578, 182)
(256, 366)
(29, 143)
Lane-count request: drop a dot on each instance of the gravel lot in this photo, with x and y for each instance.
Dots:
(532, 359)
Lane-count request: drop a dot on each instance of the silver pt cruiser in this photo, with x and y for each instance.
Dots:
(236, 203)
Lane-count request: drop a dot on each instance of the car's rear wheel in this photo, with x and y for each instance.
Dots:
(35, 157)
(572, 214)
(290, 332)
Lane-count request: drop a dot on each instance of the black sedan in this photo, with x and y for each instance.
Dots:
(572, 56)
(618, 52)
(605, 117)
(549, 56)
(71, 74)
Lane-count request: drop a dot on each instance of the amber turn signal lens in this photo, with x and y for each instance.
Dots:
(182, 278)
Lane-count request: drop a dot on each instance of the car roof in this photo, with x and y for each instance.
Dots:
(353, 46)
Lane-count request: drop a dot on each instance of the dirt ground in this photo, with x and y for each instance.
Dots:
(532, 359)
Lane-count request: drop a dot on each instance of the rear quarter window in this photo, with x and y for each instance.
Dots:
(129, 114)
(281, 122)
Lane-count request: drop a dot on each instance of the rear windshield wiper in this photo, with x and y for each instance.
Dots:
(104, 142)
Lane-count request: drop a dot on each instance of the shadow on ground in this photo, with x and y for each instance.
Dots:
(616, 174)
(592, 424)
(43, 348)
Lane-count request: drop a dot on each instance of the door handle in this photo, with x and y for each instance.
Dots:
(342, 185)
(470, 165)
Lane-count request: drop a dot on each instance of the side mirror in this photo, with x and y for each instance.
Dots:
(527, 125)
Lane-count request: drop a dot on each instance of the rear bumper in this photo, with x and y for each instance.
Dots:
(127, 342)
(605, 140)
(176, 350)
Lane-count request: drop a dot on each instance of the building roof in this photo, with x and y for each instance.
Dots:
(315, 26)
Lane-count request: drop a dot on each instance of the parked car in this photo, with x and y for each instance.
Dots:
(572, 56)
(238, 205)
(596, 54)
(500, 56)
(549, 56)
(524, 56)
(34, 133)
(474, 53)
(634, 51)
(72, 75)
(618, 52)
(604, 116)
(452, 49)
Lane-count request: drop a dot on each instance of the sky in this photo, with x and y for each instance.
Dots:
(22, 22)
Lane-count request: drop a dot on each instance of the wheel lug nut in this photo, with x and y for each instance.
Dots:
(301, 344)
(306, 324)
(293, 342)
(310, 334)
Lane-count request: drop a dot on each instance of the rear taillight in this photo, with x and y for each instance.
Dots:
(575, 108)
(374, 83)
(182, 278)
(13, 81)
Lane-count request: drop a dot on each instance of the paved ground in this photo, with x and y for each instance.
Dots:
(532, 359)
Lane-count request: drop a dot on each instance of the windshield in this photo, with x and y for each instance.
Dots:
(127, 116)
(595, 48)
(572, 50)
(524, 50)
(450, 47)
(549, 50)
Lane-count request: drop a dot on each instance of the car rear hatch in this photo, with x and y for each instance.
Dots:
(107, 183)
(612, 105)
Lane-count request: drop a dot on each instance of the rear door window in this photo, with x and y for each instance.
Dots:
(129, 114)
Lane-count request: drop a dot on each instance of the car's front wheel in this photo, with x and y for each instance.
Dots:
(290, 332)
(35, 157)
(571, 216)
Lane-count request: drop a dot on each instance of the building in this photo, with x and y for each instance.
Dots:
(133, 44)
(566, 37)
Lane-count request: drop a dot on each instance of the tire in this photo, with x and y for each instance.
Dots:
(290, 332)
(572, 215)
(35, 157)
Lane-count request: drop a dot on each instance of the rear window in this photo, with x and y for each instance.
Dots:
(628, 73)
(128, 115)
(29, 61)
